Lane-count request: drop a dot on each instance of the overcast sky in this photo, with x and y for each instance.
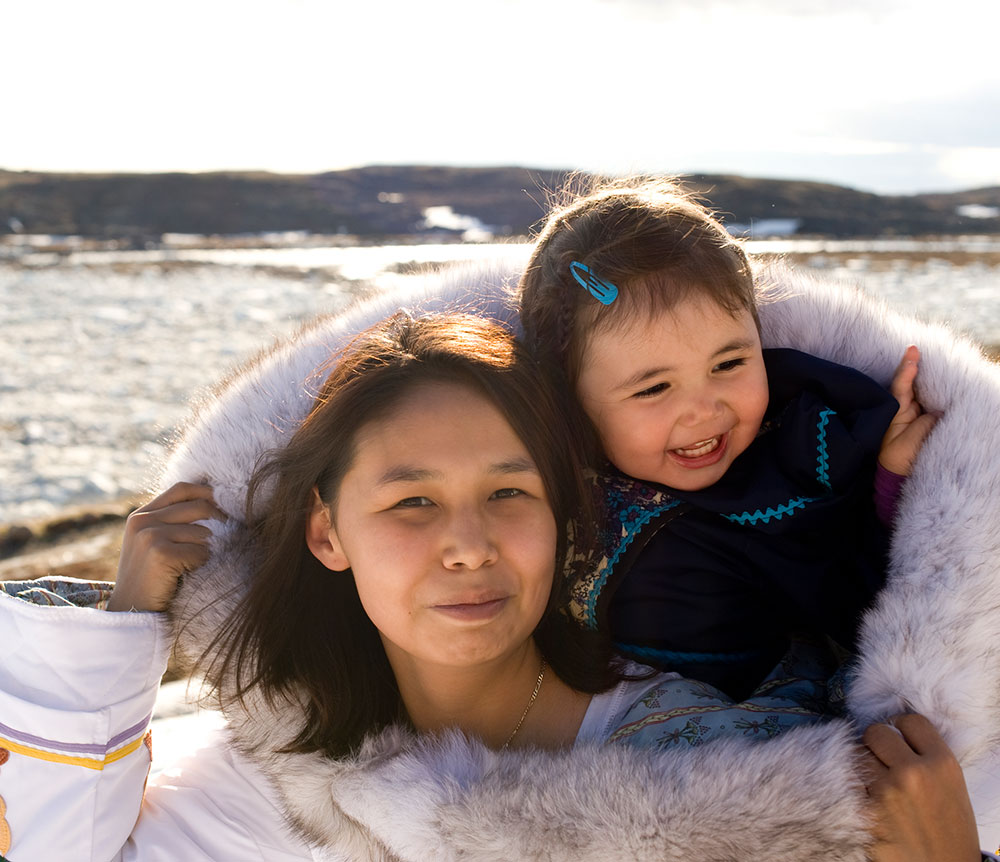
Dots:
(876, 94)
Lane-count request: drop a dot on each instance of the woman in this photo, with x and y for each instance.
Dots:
(795, 796)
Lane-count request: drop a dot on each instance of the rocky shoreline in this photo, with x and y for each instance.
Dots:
(381, 201)
(82, 542)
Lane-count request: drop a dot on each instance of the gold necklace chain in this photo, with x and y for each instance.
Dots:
(527, 709)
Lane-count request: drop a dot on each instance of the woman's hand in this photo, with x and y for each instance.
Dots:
(162, 542)
(922, 810)
(910, 426)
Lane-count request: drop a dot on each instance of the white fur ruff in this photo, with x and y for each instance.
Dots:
(932, 643)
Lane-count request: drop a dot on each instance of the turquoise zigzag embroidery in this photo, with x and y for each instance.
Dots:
(777, 513)
(796, 503)
(631, 529)
(822, 456)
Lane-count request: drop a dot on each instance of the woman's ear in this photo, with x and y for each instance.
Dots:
(321, 537)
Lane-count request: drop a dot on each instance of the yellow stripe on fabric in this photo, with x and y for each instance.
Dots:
(126, 751)
(86, 762)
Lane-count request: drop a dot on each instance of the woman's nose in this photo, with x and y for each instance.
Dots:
(468, 543)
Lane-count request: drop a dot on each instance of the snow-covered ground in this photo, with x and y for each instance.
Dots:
(100, 351)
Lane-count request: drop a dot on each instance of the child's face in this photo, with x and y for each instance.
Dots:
(677, 397)
(444, 520)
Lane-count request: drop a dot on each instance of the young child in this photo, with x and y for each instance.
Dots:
(742, 505)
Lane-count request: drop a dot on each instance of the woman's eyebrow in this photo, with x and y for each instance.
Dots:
(406, 473)
(515, 465)
(409, 473)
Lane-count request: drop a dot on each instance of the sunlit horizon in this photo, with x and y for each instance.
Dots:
(956, 188)
(886, 96)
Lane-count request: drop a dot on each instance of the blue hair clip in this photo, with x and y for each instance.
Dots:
(603, 291)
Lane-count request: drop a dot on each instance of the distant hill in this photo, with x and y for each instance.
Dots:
(382, 201)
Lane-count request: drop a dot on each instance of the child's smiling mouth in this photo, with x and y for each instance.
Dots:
(698, 449)
(704, 453)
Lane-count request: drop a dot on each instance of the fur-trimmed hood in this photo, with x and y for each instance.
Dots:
(931, 644)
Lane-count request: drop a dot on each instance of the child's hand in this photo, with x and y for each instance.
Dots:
(910, 426)
(161, 543)
(921, 807)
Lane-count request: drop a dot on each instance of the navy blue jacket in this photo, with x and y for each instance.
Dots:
(787, 540)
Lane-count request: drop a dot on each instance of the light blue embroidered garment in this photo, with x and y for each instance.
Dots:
(60, 590)
(804, 688)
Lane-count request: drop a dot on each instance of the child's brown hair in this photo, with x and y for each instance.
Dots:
(633, 247)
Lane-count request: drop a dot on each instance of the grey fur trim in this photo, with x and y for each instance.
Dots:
(447, 799)
(932, 643)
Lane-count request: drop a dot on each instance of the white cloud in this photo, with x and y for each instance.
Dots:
(971, 166)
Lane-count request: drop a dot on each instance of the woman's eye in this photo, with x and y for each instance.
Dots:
(730, 364)
(507, 493)
(652, 390)
(413, 503)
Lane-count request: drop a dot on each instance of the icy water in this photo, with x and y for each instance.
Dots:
(101, 350)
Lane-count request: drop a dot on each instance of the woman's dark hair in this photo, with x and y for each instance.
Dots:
(647, 237)
(302, 633)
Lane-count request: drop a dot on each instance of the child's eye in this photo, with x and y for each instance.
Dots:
(413, 503)
(652, 390)
(506, 493)
(730, 364)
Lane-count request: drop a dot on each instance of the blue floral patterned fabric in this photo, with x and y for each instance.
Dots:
(60, 591)
(676, 713)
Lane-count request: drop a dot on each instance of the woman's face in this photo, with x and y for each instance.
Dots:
(444, 521)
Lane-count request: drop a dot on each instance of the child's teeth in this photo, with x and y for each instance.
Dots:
(702, 448)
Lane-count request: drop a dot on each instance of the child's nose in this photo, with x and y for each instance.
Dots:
(702, 406)
(468, 543)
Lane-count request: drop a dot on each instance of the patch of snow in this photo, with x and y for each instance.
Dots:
(473, 230)
(977, 211)
(766, 227)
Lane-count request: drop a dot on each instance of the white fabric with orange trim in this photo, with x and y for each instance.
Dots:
(77, 688)
(76, 693)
